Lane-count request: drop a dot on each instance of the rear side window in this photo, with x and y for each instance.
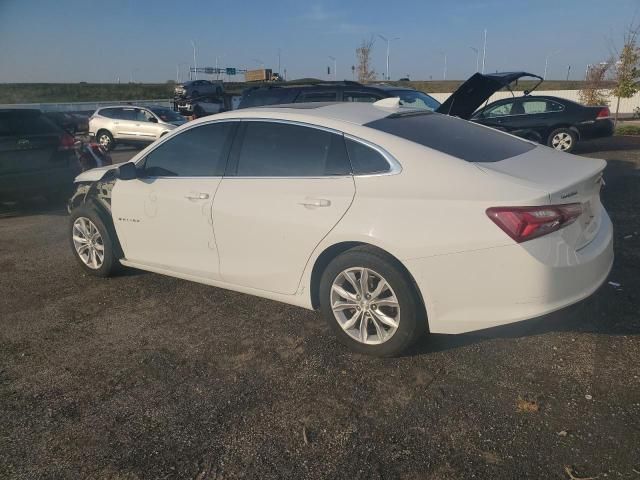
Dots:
(275, 96)
(111, 112)
(452, 136)
(317, 97)
(272, 149)
(364, 159)
(26, 123)
(198, 152)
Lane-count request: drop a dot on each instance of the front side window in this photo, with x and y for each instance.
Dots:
(198, 152)
(415, 99)
(272, 149)
(143, 115)
(360, 97)
(128, 114)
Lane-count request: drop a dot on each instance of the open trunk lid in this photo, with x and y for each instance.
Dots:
(567, 179)
(478, 89)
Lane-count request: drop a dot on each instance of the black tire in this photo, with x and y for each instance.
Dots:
(110, 263)
(412, 323)
(108, 139)
(567, 144)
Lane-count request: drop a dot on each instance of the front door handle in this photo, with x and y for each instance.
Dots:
(197, 196)
(315, 202)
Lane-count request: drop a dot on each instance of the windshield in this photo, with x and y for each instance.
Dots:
(415, 99)
(167, 115)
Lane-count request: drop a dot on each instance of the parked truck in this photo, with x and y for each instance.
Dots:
(261, 75)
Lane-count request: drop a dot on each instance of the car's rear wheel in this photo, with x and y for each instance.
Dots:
(92, 243)
(370, 303)
(105, 139)
(562, 139)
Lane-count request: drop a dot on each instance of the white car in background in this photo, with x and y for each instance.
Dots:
(132, 125)
(391, 221)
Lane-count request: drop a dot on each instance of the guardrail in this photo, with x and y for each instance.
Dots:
(87, 106)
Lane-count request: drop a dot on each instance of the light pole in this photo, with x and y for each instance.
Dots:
(335, 66)
(444, 73)
(546, 63)
(484, 49)
(477, 57)
(178, 76)
(388, 40)
(279, 71)
(195, 61)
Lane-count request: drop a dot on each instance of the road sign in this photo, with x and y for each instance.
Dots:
(231, 71)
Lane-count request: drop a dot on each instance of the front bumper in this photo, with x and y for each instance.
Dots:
(485, 288)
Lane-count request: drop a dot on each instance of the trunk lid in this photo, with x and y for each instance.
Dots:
(478, 89)
(567, 179)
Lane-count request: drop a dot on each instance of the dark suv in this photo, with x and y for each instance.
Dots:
(36, 156)
(345, 91)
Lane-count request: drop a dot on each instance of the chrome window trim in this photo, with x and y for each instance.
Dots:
(394, 166)
(522, 114)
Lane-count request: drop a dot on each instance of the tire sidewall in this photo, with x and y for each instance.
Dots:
(574, 139)
(412, 318)
(110, 260)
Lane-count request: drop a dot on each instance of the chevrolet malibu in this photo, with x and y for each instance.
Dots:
(391, 221)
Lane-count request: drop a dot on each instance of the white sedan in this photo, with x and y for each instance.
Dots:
(391, 221)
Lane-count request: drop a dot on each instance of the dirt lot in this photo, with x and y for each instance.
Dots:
(148, 377)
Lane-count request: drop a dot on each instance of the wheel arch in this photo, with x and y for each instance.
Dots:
(332, 251)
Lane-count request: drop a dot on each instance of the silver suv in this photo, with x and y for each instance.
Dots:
(132, 125)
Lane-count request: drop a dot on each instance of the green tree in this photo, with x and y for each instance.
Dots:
(627, 71)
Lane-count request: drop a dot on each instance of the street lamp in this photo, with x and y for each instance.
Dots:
(484, 49)
(477, 57)
(195, 62)
(546, 63)
(388, 44)
(444, 74)
(335, 66)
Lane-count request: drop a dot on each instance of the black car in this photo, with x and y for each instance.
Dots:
(36, 156)
(553, 121)
(344, 91)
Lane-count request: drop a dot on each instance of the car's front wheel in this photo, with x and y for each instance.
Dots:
(92, 243)
(370, 303)
(563, 139)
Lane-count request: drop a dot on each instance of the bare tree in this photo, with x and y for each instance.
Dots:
(363, 53)
(593, 91)
(627, 65)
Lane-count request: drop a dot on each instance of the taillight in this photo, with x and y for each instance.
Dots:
(526, 223)
(67, 142)
(604, 113)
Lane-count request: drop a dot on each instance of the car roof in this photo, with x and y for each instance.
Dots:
(388, 88)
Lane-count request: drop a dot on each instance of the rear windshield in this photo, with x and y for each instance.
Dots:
(453, 136)
(26, 123)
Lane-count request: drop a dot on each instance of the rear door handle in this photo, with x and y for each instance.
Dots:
(315, 202)
(197, 196)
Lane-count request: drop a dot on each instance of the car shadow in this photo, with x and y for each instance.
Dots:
(33, 206)
(608, 144)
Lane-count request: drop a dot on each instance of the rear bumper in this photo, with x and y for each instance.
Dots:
(497, 286)
(597, 129)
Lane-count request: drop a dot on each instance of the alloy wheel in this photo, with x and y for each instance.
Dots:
(562, 141)
(104, 140)
(365, 306)
(88, 243)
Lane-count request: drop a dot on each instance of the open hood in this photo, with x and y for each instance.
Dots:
(477, 90)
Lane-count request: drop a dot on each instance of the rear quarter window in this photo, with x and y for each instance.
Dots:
(459, 138)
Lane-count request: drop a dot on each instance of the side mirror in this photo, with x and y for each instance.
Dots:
(153, 120)
(127, 171)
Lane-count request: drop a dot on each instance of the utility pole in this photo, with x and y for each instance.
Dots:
(279, 71)
(568, 71)
(484, 49)
(335, 72)
(195, 61)
(477, 57)
(444, 73)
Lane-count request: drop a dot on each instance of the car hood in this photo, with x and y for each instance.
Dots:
(95, 174)
(477, 90)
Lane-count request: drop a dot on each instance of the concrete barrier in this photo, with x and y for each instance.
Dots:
(87, 106)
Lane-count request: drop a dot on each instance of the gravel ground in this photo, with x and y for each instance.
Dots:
(147, 377)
